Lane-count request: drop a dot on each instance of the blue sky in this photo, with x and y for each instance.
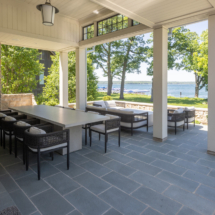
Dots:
(173, 75)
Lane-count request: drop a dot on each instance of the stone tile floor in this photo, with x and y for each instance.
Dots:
(141, 177)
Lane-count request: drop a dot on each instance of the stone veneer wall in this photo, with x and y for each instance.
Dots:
(14, 100)
(201, 113)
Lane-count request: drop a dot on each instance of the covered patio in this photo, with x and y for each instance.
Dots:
(151, 173)
(140, 177)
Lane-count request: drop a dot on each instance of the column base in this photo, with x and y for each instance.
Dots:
(160, 139)
(210, 152)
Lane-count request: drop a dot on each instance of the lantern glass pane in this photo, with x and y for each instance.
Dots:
(48, 13)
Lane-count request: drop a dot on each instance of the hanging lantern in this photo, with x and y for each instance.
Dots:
(48, 13)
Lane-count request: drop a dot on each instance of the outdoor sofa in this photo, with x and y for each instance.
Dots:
(130, 118)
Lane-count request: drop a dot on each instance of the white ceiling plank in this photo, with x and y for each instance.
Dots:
(117, 8)
(212, 2)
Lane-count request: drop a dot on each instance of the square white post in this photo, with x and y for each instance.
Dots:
(160, 65)
(63, 94)
(211, 85)
(81, 78)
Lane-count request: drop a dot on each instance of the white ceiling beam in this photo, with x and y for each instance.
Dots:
(212, 2)
(118, 9)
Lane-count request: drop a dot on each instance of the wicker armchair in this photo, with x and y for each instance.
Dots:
(190, 116)
(46, 143)
(8, 114)
(7, 127)
(176, 119)
(18, 132)
(108, 126)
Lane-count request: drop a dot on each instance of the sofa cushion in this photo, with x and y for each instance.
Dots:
(2, 115)
(101, 128)
(102, 103)
(135, 125)
(21, 123)
(177, 124)
(50, 148)
(35, 130)
(92, 112)
(110, 104)
(10, 118)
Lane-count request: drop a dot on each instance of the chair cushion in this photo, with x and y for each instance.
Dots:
(110, 104)
(112, 116)
(135, 125)
(101, 128)
(177, 124)
(10, 118)
(180, 110)
(21, 123)
(2, 115)
(35, 130)
(190, 119)
(49, 148)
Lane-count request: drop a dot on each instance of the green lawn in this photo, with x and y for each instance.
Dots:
(196, 102)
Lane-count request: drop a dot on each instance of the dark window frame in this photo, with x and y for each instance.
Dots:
(87, 31)
(111, 31)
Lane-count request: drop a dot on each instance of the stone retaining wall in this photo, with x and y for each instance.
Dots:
(201, 113)
(14, 100)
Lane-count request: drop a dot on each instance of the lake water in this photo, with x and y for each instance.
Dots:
(187, 90)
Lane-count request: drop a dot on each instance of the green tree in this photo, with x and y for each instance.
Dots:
(200, 61)
(129, 55)
(20, 66)
(103, 58)
(50, 93)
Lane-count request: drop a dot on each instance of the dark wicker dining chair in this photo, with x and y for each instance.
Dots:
(7, 127)
(45, 143)
(109, 126)
(19, 133)
(9, 113)
(176, 120)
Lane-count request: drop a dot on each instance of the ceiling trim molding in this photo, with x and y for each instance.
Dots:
(118, 9)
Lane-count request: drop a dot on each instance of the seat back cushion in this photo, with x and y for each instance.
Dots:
(110, 104)
(95, 108)
(21, 123)
(102, 103)
(35, 130)
(126, 112)
(10, 118)
(180, 110)
(2, 115)
(106, 119)
(189, 108)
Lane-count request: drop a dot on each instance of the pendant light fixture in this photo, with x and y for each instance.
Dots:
(48, 13)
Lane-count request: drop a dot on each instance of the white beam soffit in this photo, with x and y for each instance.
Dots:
(123, 11)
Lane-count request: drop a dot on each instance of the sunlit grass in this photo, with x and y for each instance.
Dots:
(196, 102)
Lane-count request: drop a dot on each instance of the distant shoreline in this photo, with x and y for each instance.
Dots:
(143, 82)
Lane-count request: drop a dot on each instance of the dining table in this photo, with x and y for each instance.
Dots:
(62, 118)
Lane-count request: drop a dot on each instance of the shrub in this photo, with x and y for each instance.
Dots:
(107, 98)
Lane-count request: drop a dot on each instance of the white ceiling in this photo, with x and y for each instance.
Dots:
(76, 9)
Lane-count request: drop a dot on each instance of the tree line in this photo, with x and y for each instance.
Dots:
(186, 51)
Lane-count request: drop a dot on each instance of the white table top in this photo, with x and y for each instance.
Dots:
(59, 116)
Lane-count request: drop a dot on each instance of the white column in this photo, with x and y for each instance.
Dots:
(63, 89)
(81, 78)
(160, 63)
(211, 85)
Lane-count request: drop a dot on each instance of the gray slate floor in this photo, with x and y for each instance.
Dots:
(140, 177)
